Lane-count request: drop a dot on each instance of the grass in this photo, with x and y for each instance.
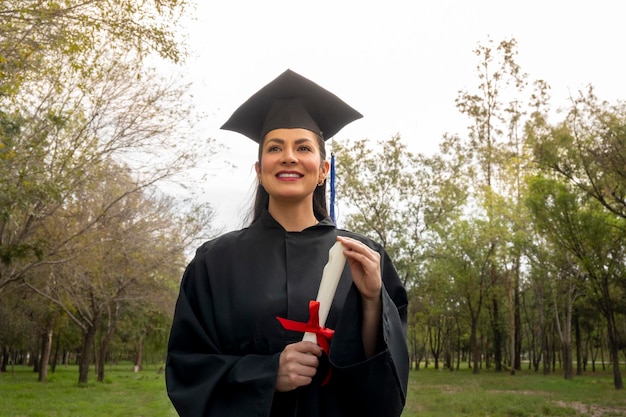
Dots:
(432, 393)
(437, 393)
(124, 393)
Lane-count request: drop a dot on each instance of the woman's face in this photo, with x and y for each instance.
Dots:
(290, 165)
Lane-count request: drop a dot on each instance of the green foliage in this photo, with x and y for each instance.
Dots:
(509, 232)
(36, 33)
(83, 126)
(588, 149)
(580, 224)
(396, 197)
(74, 94)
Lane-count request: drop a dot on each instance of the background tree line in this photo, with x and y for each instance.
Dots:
(511, 238)
(91, 250)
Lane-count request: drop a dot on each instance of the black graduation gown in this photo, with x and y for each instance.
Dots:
(225, 340)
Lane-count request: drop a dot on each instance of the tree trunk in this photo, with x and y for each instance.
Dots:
(34, 358)
(4, 359)
(45, 354)
(579, 346)
(474, 347)
(484, 352)
(497, 334)
(518, 323)
(564, 330)
(543, 334)
(512, 326)
(100, 360)
(55, 358)
(86, 353)
(547, 359)
(613, 346)
(139, 356)
(594, 355)
(568, 365)
(109, 331)
(602, 355)
(435, 344)
(458, 344)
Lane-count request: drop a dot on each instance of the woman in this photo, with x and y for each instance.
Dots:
(228, 353)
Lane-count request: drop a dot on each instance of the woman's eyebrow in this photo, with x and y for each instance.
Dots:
(282, 141)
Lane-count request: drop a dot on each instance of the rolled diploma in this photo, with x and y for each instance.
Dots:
(328, 286)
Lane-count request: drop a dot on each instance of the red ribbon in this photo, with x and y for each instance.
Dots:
(323, 334)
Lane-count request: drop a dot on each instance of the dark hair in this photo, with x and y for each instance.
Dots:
(262, 198)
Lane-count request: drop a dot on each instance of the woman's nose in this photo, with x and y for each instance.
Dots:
(289, 158)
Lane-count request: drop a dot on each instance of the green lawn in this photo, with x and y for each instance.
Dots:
(431, 393)
(123, 394)
(460, 393)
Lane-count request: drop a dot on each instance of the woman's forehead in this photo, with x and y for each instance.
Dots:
(291, 134)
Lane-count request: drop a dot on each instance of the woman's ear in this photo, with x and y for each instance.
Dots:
(257, 168)
(323, 173)
(325, 168)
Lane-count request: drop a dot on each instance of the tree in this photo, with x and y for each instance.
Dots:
(595, 238)
(498, 161)
(78, 102)
(34, 33)
(438, 308)
(135, 252)
(466, 249)
(588, 149)
(73, 91)
(493, 141)
(68, 133)
(144, 326)
(536, 309)
(16, 325)
(395, 197)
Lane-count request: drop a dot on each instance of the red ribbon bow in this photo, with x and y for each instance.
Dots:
(323, 334)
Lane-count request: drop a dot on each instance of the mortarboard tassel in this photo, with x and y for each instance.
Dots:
(332, 188)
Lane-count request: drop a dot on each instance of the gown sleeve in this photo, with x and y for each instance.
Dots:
(375, 386)
(202, 381)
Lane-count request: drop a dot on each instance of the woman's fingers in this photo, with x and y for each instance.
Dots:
(365, 267)
(297, 365)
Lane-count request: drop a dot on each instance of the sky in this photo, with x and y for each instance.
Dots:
(400, 63)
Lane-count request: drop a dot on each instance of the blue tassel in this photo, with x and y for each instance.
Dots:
(332, 188)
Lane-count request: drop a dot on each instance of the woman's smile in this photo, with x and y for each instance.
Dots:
(289, 175)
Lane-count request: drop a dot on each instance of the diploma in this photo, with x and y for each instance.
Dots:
(328, 286)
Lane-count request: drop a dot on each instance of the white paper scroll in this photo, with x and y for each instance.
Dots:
(328, 286)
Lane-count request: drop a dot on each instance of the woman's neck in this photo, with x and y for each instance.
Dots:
(293, 217)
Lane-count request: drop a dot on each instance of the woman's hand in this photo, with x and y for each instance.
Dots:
(297, 366)
(365, 267)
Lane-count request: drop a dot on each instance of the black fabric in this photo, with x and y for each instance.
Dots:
(291, 101)
(225, 340)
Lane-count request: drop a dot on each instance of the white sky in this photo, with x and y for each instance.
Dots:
(400, 63)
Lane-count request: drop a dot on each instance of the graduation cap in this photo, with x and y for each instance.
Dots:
(291, 101)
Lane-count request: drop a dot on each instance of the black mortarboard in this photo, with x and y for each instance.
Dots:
(291, 101)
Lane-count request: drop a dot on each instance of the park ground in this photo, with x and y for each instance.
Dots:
(432, 393)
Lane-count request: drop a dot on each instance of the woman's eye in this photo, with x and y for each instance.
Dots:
(305, 148)
(273, 149)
